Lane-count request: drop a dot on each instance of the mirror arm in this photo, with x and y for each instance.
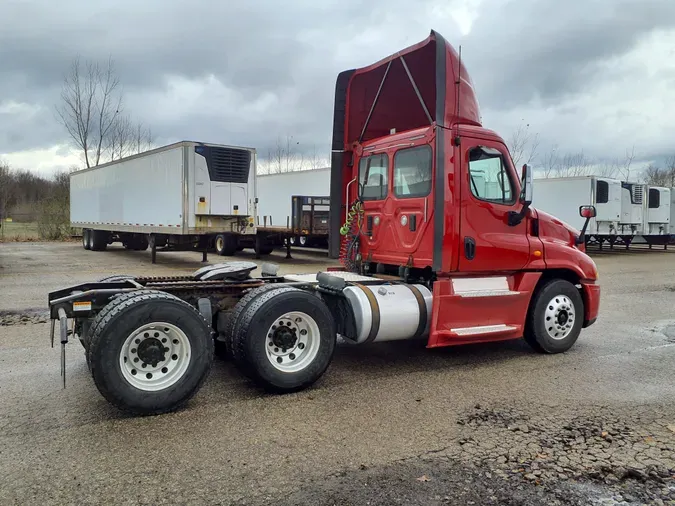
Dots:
(516, 218)
(582, 235)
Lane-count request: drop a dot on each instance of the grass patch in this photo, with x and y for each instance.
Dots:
(18, 232)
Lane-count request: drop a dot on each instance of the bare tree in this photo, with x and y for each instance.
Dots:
(661, 176)
(551, 162)
(5, 188)
(119, 139)
(90, 104)
(142, 138)
(573, 164)
(315, 161)
(523, 145)
(284, 157)
(623, 166)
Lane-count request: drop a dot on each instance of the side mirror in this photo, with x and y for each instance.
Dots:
(515, 217)
(526, 190)
(587, 211)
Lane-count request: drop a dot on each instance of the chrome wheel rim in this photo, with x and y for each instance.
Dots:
(155, 356)
(220, 244)
(292, 342)
(303, 241)
(559, 317)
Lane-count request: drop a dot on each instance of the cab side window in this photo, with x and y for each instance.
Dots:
(412, 172)
(373, 177)
(489, 177)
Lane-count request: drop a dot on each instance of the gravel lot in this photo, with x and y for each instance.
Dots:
(388, 424)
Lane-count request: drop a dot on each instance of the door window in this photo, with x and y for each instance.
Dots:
(373, 180)
(489, 176)
(412, 172)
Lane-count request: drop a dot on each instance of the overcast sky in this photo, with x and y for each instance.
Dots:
(597, 75)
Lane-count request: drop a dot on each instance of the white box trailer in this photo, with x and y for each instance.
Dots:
(657, 213)
(563, 196)
(297, 202)
(184, 195)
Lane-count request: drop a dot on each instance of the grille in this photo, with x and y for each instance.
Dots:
(637, 193)
(226, 165)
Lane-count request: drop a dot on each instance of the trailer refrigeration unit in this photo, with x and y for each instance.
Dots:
(563, 196)
(184, 195)
(295, 206)
(631, 225)
(432, 223)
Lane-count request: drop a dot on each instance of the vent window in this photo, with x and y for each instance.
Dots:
(226, 165)
(601, 192)
(654, 198)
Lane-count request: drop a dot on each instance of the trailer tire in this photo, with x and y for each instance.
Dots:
(280, 317)
(116, 330)
(85, 239)
(226, 244)
(263, 246)
(99, 240)
(555, 317)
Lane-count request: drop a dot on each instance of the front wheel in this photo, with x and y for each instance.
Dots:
(284, 338)
(555, 318)
(150, 352)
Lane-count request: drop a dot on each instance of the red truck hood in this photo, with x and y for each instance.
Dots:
(556, 230)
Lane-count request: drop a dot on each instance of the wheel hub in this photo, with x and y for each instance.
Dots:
(292, 342)
(155, 356)
(284, 337)
(559, 317)
(152, 351)
(562, 317)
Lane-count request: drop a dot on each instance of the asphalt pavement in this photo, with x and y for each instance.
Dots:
(389, 423)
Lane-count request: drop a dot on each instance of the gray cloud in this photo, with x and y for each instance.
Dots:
(248, 72)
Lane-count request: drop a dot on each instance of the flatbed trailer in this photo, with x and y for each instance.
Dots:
(437, 241)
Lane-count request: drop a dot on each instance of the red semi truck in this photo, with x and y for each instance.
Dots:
(431, 221)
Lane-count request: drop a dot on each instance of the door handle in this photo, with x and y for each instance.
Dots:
(469, 248)
(412, 222)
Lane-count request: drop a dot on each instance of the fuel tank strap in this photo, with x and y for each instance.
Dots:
(375, 311)
(422, 325)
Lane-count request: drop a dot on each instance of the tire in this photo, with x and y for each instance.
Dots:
(311, 340)
(90, 239)
(99, 240)
(303, 241)
(137, 242)
(231, 317)
(226, 244)
(292, 240)
(85, 239)
(262, 245)
(146, 315)
(555, 318)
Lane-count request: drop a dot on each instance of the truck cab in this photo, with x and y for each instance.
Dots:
(436, 198)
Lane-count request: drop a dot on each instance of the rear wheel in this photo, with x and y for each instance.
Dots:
(263, 246)
(150, 352)
(85, 239)
(285, 339)
(226, 244)
(99, 240)
(555, 318)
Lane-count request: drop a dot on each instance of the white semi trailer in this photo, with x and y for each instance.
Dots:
(295, 202)
(562, 197)
(181, 196)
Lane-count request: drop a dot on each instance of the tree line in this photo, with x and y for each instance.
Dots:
(524, 147)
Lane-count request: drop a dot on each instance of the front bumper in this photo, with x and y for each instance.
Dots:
(591, 293)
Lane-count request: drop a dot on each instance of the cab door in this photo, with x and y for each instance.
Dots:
(490, 189)
(395, 187)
